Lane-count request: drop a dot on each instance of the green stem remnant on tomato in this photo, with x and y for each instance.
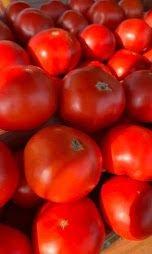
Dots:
(76, 145)
(101, 86)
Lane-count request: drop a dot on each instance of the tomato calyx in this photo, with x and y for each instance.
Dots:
(102, 86)
(76, 145)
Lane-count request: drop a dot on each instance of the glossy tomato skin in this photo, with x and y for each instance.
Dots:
(148, 17)
(32, 94)
(148, 55)
(88, 98)
(135, 35)
(30, 22)
(81, 6)
(99, 64)
(9, 174)
(132, 9)
(126, 204)
(13, 241)
(98, 42)
(14, 8)
(45, 172)
(54, 9)
(124, 62)
(138, 88)
(55, 50)
(24, 196)
(71, 228)
(5, 32)
(73, 21)
(127, 151)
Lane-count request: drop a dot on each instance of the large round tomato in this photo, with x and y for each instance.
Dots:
(62, 164)
(132, 8)
(138, 88)
(127, 205)
(14, 8)
(55, 50)
(124, 62)
(91, 99)
(13, 241)
(9, 174)
(31, 21)
(81, 6)
(98, 41)
(127, 150)
(5, 32)
(73, 21)
(135, 35)
(69, 228)
(148, 18)
(107, 13)
(27, 97)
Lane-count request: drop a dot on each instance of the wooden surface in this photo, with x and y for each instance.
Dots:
(129, 247)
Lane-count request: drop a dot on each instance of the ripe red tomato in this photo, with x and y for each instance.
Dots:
(98, 41)
(81, 6)
(76, 172)
(31, 21)
(9, 174)
(95, 63)
(89, 98)
(126, 204)
(127, 150)
(73, 21)
(138, 88)
(106, 13)
(11, 53)
(13, 241)
(124, 62)
(148, 18)
(55, 50)
(27, 97)
(71, 228)
(24, 196)
(148, 55)
(132, 9)
(14, 8)
(5, 32)
(54, 9)
(135, 35)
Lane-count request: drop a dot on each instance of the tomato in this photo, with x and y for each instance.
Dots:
(71, 228)
(124, 62)
(9, 174)
(126, 204)
(14, 8)
(107, 13)
(81, 6)
(55, 50)
(31, 21)
(127, 150)
(132, 9)
(5, 32)
(27, 97)
(54, 9)
(13, 241)
(135, 35)
(97, 64)
(76, 172)
(148, 18)
(11, 53)
(73, 21)
(98, 42)
(24, 196)
(88, 98)
(148, 55)
(138, 88)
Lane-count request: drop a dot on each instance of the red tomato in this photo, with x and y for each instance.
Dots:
(127, 150)
(72, 21)
(102, 66)
(132, 8)
(62, 156)
(27, 97)
(148, 55)
(71, 228)
(54, 8)
(107, 13)
(11, 53)
(126, 204)
(135, 35)
(13, 241)
(55, 50)
(31, 21)
(14, 8)
(148, 18)
(98, 41)
(5, 32)
(124, 62)
(81, 6)
(89, 98)
(9, 174)
(138, 88)
(24, 196)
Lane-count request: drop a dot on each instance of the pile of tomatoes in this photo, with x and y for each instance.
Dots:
(82, 69)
